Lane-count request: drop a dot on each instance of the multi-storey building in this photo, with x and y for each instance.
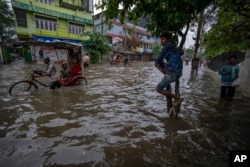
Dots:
(120, 31)
(52, 20)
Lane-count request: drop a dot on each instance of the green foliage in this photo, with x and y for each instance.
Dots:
(94, 58)
(6, 15)
(156, 49)
(99, 46)
(6, 21)
(189, 53)
(231, 31)
(162, 15)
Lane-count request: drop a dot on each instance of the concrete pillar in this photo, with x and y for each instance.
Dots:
(245, 75)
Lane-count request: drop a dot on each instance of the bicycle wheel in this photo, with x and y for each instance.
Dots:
(78, 79)
(22, 88)
(86, 82)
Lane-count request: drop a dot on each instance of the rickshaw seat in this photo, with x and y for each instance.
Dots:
(76, 70)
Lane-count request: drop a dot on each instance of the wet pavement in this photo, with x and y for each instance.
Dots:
(118, 120)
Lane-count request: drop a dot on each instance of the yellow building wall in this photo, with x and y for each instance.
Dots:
(63, 16)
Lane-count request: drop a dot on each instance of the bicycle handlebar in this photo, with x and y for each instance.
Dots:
(37, 71)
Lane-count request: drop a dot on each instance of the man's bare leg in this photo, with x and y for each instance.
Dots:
(168, 93)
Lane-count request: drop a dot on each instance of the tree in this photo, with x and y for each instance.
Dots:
(129, 41)
(231, 31)
(156, 49)
(99, 45)
(189, 53)
(162, 15)
(6, 22)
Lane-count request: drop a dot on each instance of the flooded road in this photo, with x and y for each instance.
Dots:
(118, 120)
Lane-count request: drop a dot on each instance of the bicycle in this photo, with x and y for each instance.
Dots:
(25, 86)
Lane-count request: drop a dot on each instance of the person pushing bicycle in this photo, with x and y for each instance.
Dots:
(51, 72)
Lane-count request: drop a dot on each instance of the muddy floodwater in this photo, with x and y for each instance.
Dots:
(118, 120)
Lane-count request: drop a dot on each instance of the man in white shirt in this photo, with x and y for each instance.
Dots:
(51, 72)
(85, 61)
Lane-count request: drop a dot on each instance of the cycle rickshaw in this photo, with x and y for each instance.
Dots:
(73, 68)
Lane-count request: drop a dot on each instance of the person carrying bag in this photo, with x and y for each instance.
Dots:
(229, 77)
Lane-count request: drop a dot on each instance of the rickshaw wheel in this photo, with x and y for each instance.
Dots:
(77, 80)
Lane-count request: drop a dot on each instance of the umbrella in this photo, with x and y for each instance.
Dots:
(216, 62)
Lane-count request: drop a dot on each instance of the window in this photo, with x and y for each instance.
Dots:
(76, 29)
(54, 26)
(45, 1)
(50, 26)
(41, 24)
(21, 18)
(45, 23)
(37, 23)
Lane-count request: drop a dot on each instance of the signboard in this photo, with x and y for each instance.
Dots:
(55, 55)
(50, 39)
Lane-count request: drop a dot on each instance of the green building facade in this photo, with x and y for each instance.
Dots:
(53, 20)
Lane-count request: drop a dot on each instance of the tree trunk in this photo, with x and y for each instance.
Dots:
(183, 35)
(196, 61)
(197, 40)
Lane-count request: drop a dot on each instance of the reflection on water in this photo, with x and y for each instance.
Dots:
(119, 120)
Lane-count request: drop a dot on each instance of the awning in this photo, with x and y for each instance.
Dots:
(55, 44)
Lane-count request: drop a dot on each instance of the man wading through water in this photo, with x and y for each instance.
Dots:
(51, 72)
(172, 70)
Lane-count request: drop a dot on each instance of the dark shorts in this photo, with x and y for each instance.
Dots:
(86, 65)
(166, 80)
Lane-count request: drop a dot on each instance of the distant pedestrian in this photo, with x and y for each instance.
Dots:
(85, 61)
(125, 62)
(229, 72)
(201, 62)
(41, 54)
(205, 63)
(195, 64)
